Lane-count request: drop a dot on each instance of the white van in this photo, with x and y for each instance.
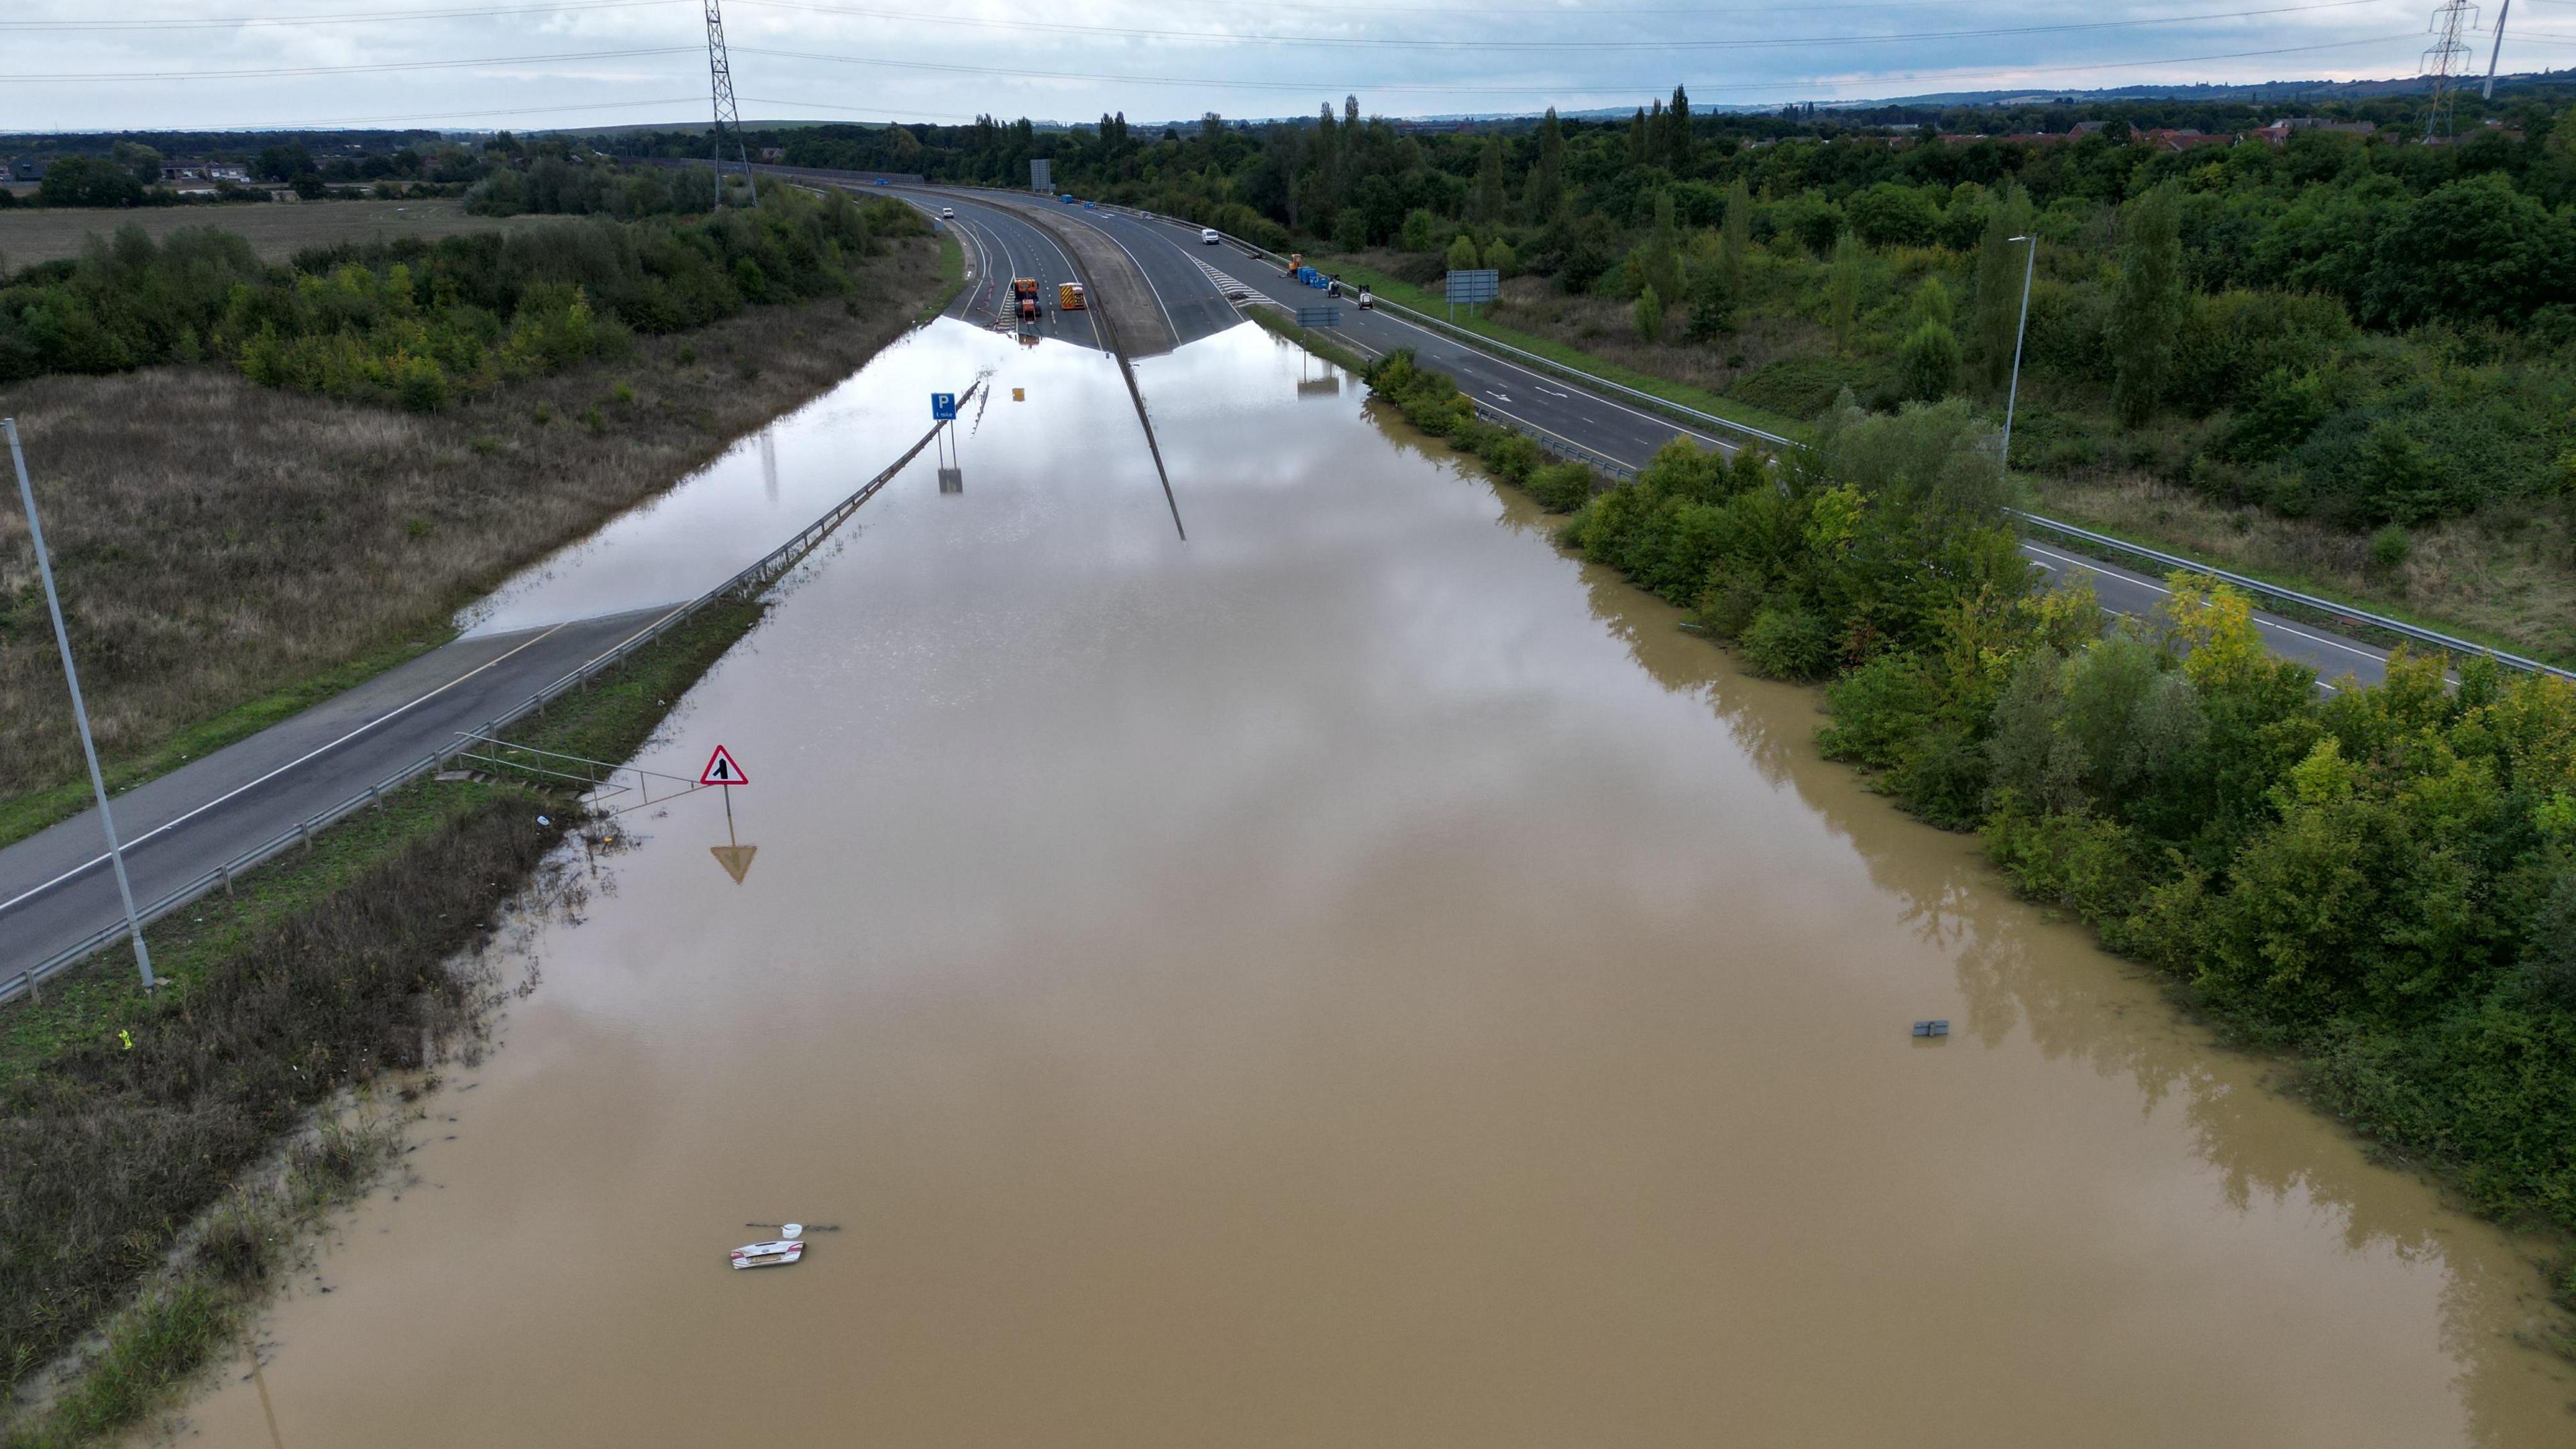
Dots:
(1207, 234)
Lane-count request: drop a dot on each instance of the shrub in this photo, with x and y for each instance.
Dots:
(1787, 642)
(2389, 546)
(1928, 363)
(1650, 316)
(1562, 487)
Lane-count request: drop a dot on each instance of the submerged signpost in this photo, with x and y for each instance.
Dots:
(733, 855)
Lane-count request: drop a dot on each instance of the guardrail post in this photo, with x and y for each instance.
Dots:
(35, 988)
(305, 829)
(376, 798)
(228, 881)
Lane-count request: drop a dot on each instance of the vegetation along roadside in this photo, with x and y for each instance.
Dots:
(2379, 883)
(2294, 338)
(371, 437)
(165, 1153)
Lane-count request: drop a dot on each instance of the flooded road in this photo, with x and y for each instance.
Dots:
(1355, 977)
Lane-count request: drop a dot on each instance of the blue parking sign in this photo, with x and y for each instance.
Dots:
(943, 407)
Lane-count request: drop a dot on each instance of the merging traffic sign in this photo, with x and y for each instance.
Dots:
(721, 770)
(1319, 316)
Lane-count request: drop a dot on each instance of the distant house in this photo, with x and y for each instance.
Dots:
(27, 168)
(773, 153)
(2087, 128)
(2279, 132)
(2178, 141)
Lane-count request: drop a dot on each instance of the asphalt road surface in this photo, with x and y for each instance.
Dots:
(1180, 264)
(56, 888)
(1001, 246)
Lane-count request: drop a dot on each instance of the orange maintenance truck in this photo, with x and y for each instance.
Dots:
(1024, 298)
(1068, 297)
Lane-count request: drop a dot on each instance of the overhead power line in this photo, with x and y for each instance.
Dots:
(1664, 43)
(84, 77)
(351, 17)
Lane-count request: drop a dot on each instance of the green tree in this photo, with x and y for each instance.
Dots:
(1419, 232)
(1500, 256)
(1547, 179)
(1659, 261)
(1928, 362)
(1650, 315)
(283, 163)
(1995, 295)
(141, 160)
(1713, 302)
(1462, 253)
(1488, 196)
(1677, 155)
(1735, 239)
(89, 181)
(1641, 145)
(2147, 304)
(1842, 290)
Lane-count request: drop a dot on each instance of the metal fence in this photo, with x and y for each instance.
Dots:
(2342, 614)
(749, 583)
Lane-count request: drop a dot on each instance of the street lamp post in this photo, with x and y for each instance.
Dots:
(2030, 260)
(80, 711)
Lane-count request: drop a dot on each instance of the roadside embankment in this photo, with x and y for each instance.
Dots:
(230, 553)
(164, 1152)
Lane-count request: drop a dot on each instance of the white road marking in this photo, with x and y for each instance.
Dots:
(101, 857)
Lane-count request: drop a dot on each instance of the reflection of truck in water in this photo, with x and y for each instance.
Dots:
(1068, 297)
(1024, 299)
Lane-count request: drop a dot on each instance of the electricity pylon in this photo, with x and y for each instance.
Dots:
(2448, 60)
(721, 70)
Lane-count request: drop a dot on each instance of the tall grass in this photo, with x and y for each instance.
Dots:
(219, 544)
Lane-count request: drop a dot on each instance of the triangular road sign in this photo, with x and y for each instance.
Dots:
(736, 859)
(721, 770)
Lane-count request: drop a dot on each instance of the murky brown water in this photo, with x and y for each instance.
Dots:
(1357, 977)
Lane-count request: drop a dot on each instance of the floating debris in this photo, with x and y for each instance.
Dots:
(774, 1254)
(1932, 1028)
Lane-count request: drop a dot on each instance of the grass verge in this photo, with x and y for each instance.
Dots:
(27, 814)
(149, 1207)
(1405, 293)
(222, 546)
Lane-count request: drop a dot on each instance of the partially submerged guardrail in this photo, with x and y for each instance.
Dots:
(749, 583)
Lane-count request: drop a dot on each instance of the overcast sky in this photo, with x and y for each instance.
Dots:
(66, 65)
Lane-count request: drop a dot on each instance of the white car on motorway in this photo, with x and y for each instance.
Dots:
(948, 213)
(1207, 234)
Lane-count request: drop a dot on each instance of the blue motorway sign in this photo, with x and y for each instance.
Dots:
(1481, 285)
(943, 407)
(1319, 316)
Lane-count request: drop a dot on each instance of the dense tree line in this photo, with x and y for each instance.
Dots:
(2380, 880)
(2362, 328)
(418, 322)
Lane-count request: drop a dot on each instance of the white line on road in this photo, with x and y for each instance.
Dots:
(99, 859)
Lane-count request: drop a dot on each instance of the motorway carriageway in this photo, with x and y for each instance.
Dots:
(1000, 246)
(1184, 272)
